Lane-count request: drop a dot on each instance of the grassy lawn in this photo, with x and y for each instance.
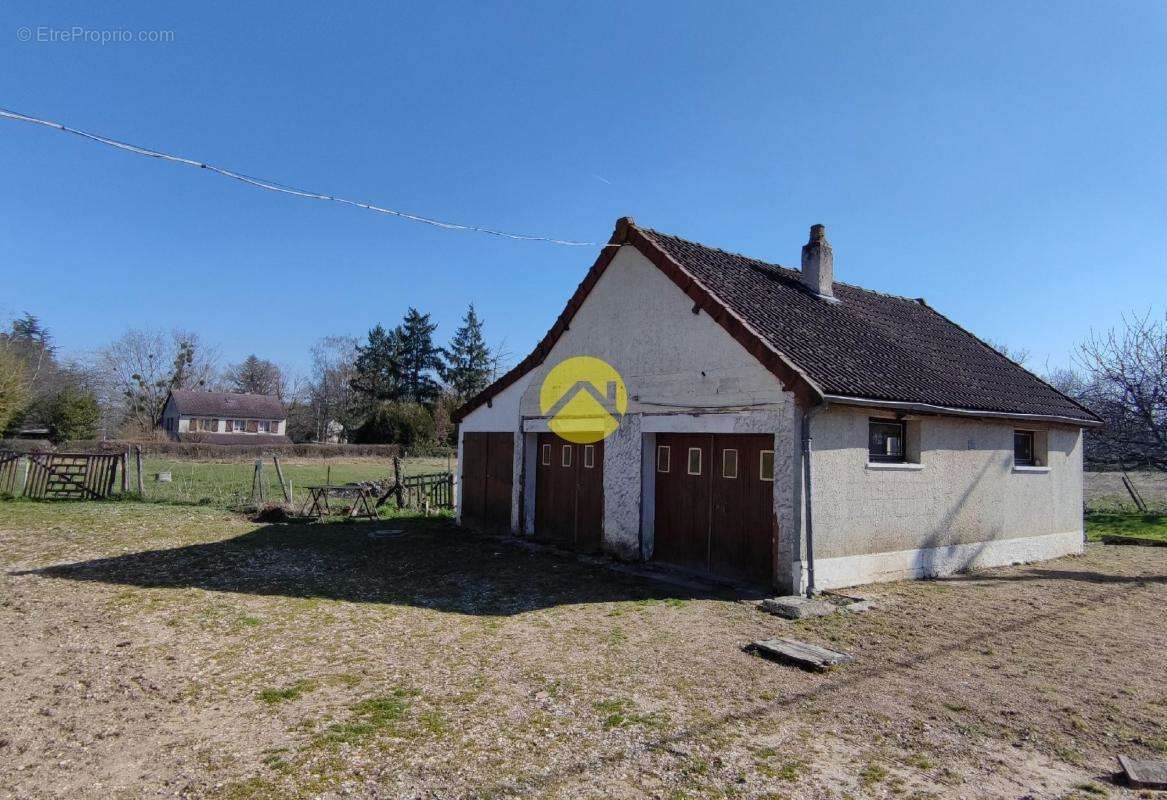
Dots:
(1133, 525)
(150, 649)
(228, 484)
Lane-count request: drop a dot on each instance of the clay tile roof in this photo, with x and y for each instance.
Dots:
(226, 404)
(870, 345)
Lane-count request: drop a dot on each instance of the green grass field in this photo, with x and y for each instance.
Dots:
(228, 484)
(1137, 526)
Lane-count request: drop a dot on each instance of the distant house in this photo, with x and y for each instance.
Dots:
(224, 418)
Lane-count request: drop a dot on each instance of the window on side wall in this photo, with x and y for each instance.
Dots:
(545, 455)
(589, 456)
(885, 441)
(566, 460)
(694, 467)
(1024, 449)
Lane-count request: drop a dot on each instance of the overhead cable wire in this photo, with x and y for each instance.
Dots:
(273, 186)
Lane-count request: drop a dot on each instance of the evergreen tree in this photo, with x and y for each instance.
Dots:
(468, 359)
(73, 414)
(256, 376)
(13, 392)
(377, 371)
(419, 359)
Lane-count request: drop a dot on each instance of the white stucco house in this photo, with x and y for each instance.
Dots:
(224, 418)
(781, 429)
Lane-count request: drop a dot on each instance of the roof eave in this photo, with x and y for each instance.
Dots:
(927, 408)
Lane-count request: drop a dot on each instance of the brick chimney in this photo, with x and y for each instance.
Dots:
(818, 264)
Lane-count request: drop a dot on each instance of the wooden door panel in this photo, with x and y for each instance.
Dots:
(742, 522)
(589, 521)
(718, 521)
(569, 497)
(681, 528)
(499, 478)
(554, 492)
(474, 455)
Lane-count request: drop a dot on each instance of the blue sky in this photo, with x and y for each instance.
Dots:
(1004, 161)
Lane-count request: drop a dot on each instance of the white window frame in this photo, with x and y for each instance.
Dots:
(666, 451)
(545, 455)
(565, 456)
(238, 426)
(762, 473)
(689, 461)
(725, 462)
(589, 456)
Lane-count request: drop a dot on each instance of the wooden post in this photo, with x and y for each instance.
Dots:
(327, 474)
(450, 496)
(258, 491)
(280, 474)
(138, 462)
(397, 478)
(126, 471)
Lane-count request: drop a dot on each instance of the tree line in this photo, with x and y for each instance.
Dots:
(399, 385)
(396, 385)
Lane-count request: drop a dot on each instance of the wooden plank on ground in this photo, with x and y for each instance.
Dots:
(1144, 774)
(801, 654)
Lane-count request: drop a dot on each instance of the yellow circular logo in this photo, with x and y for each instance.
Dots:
(585, 398)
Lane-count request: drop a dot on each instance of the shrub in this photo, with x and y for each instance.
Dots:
(405, 424)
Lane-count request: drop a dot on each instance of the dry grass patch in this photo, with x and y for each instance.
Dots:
(145, 646)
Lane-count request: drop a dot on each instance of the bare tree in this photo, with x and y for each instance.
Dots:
(141, 367)
(1018, 355)
(330, 390)
(1126, 377)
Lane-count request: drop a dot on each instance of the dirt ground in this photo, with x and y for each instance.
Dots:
(168, 651)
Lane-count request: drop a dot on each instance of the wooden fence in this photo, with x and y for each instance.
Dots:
(435, 489)
(9, 468)
(63, 476)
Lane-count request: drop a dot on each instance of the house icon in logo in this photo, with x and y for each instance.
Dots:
(585, 398)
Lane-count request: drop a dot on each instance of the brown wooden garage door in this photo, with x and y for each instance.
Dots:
(487, 478)
(569, 493)
(715, 504)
